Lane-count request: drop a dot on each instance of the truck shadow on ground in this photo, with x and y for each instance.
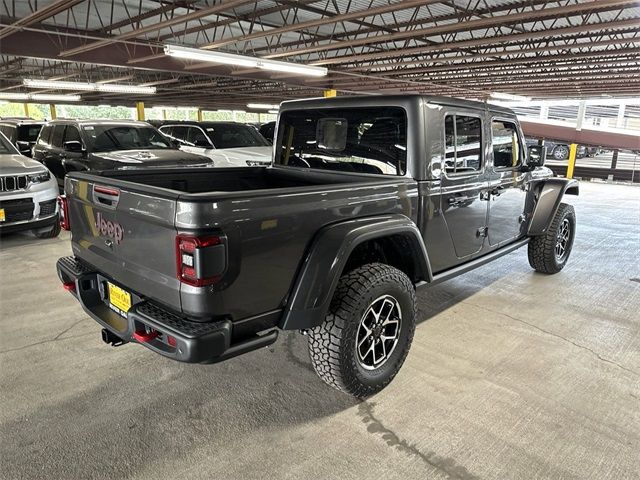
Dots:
(149, 409)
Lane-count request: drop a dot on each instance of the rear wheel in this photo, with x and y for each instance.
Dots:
(51, 232)
(549, 253)
(366, 336)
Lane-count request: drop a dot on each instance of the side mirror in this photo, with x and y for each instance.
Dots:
(537, 156)
(174, 143)
(73, 146)
(22, 145)
(202, 143)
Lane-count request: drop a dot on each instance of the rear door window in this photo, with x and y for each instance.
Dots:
(45, 133)
(72, 134)
(463, 144)
(57, 136)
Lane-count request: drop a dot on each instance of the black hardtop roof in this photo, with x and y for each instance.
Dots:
(389, 100)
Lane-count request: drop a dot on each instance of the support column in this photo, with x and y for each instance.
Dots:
(614, 159)
(199, 114)
(164, 114)
(26, 109)
(572, 159)
(330, 93)
(52, 111)
(140, 110)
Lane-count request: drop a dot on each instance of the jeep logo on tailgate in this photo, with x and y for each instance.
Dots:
(107, 228)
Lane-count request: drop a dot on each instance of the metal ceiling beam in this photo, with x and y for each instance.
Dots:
(225, 5)
(591, 6)
(38, 16)
(343, 17)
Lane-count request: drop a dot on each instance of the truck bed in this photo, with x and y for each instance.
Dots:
(233, 179)
(266, 217)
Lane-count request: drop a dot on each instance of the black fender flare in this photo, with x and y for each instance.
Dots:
(549, 194)
(317, 279)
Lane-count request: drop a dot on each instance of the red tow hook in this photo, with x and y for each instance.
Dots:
(143, 336)
(69, 286)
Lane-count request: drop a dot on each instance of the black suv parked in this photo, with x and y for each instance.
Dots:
(65, 146)
(22, 132)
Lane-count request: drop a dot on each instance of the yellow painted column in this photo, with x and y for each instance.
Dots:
(199, 115)
(140, 110)
(330, 93)
(164, 114)
(573, 150)
(26, 109)
(52, 111)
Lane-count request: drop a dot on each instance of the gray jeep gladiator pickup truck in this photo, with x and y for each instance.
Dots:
(367, 199)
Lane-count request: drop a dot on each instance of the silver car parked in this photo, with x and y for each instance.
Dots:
(28, 194)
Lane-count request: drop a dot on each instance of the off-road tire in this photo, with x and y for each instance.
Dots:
(542, 248)
(53, 232)
(332, 345)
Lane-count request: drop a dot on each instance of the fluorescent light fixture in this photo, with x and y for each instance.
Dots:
(262, 106)
(89, 87)
(275, 112)
(40, 96)
(509, 96)
(242, 61)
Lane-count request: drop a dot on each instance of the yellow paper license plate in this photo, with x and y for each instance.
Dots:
(119, 298)
(2, 215)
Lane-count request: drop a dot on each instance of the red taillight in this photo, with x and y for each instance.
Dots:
(64, 212)
(172, 341)
(187, 253)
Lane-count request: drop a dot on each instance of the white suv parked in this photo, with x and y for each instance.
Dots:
(28, 194)
(228, 144)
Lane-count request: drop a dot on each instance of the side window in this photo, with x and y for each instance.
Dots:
(197, 137)
(45, 133)
(57, 136)
(72, 134)
(180, 133)
(507, 149)
(463, 144)
(166, 131)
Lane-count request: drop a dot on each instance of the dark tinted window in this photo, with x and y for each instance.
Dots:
(507, 149)
(72, 134)
(463, 144)
(8, 131)
(28, 133)
(197, 137)
(231, 135)
(107, 138)
(45, 133)
(6, 146)
(364, 140)
(57, 135)
(180, 133)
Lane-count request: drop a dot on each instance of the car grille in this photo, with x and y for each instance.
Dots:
(17, 210)
(47, 208)
(12, 183)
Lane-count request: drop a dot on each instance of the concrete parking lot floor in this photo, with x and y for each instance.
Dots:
(512, 375)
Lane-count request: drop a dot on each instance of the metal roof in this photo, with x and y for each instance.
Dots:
(463, 48)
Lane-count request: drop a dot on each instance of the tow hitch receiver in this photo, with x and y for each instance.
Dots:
(111, 338)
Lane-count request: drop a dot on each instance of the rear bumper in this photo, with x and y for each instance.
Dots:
(154, 327)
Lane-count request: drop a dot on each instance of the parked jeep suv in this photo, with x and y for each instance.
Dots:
(28, 194)
(368, 199)
(65, 146)
(22, 132)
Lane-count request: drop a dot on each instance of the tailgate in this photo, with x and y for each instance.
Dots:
(127, 235)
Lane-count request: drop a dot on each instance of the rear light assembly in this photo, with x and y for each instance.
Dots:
(63, 205)
(200, 260)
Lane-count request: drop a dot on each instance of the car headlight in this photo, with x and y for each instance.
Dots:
(39, 177)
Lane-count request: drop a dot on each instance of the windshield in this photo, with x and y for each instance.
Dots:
(107, 138)
(364, 140)
(230, 135)
(28, 133)
(6, 147)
